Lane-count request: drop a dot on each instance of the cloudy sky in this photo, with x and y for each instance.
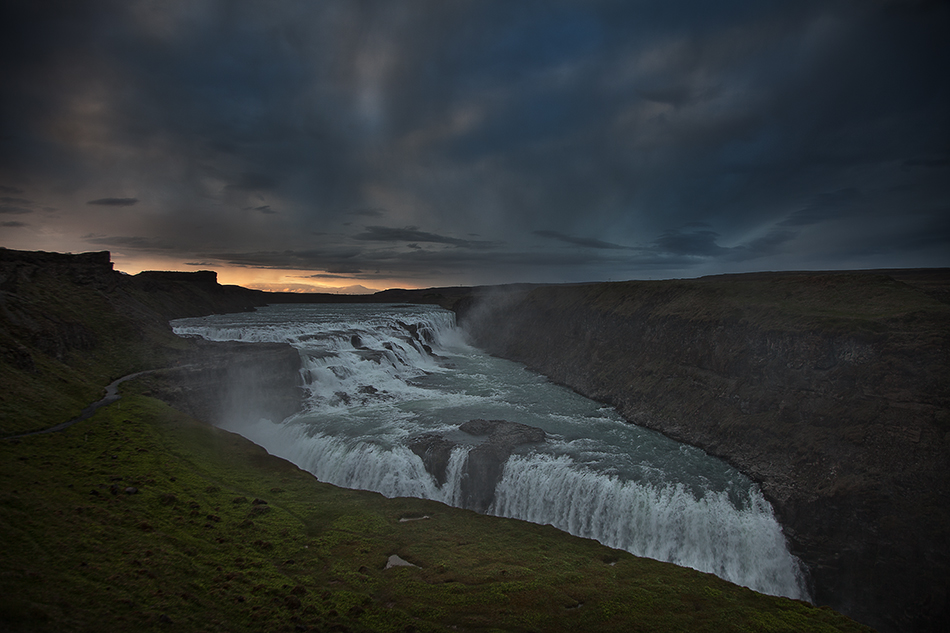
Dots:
(420, 143)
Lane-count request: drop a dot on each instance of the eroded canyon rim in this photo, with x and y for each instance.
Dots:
(830, 389)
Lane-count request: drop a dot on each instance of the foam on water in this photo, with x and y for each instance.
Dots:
(377, 376)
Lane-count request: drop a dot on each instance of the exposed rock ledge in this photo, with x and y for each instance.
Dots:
(495, 441)
(232, 382)
(831, 390)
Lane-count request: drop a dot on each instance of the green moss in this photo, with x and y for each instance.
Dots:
(80, 553)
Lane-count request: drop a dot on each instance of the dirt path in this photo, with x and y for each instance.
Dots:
(112, 395)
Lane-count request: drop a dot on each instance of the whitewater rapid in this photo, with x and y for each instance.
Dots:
(377, 376)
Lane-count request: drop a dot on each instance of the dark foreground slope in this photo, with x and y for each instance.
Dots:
(221, 536)
(831, 390)
(143, 518)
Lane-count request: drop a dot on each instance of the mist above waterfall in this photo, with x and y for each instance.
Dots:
(380, 376)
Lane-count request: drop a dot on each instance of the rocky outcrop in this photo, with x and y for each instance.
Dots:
(231, 382)
(830, 390)
(19, 267)
(494, 441)
(74, 321)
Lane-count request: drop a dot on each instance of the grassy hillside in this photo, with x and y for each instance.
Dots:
(142, 518)
(195, 547)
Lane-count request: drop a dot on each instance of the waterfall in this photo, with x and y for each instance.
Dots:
(741, 544)
(379, 376)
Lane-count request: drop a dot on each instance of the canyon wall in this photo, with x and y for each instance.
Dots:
(830, 390)
(74, 322)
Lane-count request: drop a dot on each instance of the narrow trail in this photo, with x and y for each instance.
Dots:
(112, 395)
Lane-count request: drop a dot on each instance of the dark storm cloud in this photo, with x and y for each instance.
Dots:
(825, 206)
(137, 243)
(265, 209)
(927, 162)
(10, 200)
(579, 241)
(700, 244)
(413, 234)
(253, 182)
(13, 209)
(369, 213)
(343, 270)
(696, 241)
(16, 206)
(707, 136)
(114, 202)
(13, 224)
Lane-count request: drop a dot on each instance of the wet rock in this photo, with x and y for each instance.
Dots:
(503, 432)
(435, 452)
(485, 462)
(372, 355)
(483, 471)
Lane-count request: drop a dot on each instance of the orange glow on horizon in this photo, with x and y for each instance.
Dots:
(267, 279)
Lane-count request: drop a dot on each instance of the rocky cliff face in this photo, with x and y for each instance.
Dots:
(832, 391)
(231, 382)
(71, 320)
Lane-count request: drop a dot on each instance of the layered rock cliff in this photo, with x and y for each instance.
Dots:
(830, 390)
(73, 322)
(233, 383)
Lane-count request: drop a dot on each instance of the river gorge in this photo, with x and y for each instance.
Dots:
(397, 402)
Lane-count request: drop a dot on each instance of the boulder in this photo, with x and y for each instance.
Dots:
(485, 463)
(435, 452)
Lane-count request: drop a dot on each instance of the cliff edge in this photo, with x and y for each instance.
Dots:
(70, 324)
(832, 390)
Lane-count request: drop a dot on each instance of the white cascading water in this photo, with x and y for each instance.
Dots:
(378, 376)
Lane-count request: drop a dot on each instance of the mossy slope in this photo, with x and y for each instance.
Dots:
(194, 549)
